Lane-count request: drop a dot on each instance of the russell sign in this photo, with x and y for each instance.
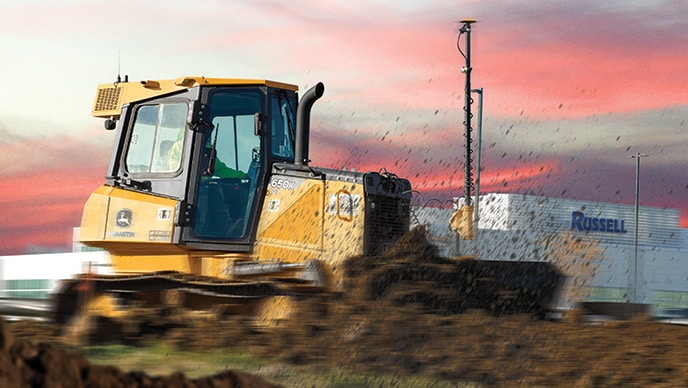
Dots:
(582, 223)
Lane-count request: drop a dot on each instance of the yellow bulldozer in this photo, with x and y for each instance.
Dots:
(210, 200)
(210, 203)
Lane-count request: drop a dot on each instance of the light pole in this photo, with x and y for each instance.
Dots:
(633, 291)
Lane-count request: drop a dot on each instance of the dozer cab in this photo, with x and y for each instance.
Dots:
(209, 200)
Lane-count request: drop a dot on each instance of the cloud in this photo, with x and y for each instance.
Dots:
(583, 56)
(42, 209)
(45, 183)
(23, 152)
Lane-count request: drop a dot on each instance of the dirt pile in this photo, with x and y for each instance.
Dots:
(412, 273)
(25, 364)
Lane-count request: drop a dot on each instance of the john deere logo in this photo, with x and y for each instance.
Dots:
(124, 218)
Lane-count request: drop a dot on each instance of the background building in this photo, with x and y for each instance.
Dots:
(35, 276)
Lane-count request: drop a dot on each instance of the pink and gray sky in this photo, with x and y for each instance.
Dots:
(572, 88)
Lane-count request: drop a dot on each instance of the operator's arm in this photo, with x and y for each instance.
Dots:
(175, 156)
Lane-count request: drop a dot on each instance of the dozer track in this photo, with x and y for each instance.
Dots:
(116, 298)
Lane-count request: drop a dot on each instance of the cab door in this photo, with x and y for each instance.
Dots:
(226, 172)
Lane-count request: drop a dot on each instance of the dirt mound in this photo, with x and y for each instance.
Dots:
(24, 364)
(411, 272)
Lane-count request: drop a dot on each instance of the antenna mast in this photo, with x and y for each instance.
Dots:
(119, 71)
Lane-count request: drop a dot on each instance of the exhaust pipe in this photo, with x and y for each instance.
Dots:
(303, 122)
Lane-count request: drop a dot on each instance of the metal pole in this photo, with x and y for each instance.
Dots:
(468, 183)
(462, 219)
(633, 291)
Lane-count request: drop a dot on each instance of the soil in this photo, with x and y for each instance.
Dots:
(24, 363)
(400, 322)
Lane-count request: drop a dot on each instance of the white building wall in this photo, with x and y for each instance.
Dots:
(37, 275)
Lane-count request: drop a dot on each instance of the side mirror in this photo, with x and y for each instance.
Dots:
(110, 124)
(258, 124)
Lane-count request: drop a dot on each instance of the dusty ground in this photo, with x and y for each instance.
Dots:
(28, 363)
(388, 326)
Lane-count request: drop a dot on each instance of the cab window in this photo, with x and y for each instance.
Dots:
(282, 126)
(157, 137)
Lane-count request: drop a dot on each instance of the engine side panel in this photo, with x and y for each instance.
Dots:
(290, 227)
(312, 217)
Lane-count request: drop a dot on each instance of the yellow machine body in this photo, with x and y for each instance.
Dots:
(137, 230)
(301, 219)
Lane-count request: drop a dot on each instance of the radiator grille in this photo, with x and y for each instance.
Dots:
(387, 219)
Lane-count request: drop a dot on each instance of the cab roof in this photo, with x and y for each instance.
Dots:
(110, 97)
(198, 81)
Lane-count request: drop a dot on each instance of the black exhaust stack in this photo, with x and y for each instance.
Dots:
(303, 122)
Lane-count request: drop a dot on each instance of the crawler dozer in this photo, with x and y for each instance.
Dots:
(210, 203)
